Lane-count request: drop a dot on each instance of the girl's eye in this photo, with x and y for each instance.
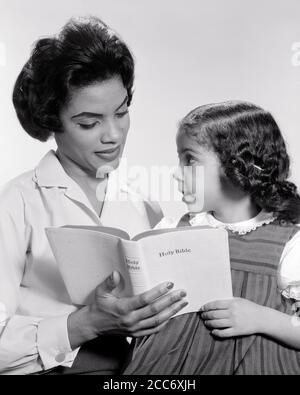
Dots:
(87, 125)
(122, 114)
(190, 160)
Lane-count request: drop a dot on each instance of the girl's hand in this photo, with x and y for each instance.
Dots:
(234, 317)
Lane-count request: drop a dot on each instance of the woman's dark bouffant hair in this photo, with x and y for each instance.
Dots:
(86, 51)
(251, 151)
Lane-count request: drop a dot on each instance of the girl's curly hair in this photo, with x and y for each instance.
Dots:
(86, 51)
(251, 150)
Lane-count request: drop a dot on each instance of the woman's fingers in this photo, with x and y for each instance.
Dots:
(146, 298)
(163, 303)
(141, 314)
(151, 331)
(146, 313)
(154, 323)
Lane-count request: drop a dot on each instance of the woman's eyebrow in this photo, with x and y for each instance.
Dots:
(122, 104)
(86, 114)
(93, 114)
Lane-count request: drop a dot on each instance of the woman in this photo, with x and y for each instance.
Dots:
(76, 87)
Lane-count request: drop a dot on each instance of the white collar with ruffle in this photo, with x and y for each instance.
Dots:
(241, 228)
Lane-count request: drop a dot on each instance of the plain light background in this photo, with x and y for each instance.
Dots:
(188, 53)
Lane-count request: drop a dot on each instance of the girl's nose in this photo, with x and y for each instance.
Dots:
(178, 174)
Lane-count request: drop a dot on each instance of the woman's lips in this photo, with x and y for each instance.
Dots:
(109, 154)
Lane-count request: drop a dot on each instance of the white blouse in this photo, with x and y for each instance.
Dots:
(289, 266)
(34, 303)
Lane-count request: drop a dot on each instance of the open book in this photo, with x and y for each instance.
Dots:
(195, 259)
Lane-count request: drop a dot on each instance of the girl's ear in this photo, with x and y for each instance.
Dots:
(223, 176)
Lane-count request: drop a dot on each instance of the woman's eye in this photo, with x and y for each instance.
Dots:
(121, 114)
(87, 125)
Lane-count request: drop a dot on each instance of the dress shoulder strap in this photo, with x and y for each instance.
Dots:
(184, 221)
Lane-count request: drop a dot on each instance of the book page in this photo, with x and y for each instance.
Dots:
(154, 232)
(196, 260)
(85, 258)
(102, 229)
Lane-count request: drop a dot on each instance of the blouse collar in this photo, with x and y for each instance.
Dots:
(241, 228)
(49, 173)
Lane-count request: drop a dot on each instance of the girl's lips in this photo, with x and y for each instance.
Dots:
(188, 199)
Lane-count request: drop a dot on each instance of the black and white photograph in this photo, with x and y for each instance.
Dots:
(149, 190)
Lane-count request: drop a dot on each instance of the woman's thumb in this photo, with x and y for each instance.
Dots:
(110, 283)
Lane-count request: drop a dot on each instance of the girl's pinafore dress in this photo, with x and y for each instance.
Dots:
(186, 347)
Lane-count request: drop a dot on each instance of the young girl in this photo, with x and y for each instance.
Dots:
(245, 165)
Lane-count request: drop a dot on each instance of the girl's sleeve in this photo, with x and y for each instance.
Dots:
(22, 347)
(289, 273)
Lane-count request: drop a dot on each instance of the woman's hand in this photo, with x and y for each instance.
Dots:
(134, 316)
(234, 317)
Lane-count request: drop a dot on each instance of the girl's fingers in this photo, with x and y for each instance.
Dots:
(296, 305)
(216, 305)
(223, 333)
(215, 314)
(218, 324)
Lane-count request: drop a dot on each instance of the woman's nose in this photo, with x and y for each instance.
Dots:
(111, 134)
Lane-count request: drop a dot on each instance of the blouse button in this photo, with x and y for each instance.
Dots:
(60, 357)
